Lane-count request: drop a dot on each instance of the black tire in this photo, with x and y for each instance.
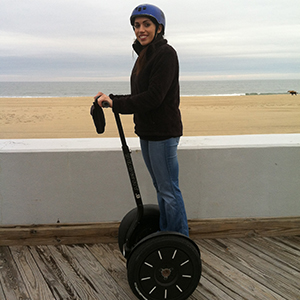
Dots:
(164, 266)
(148, 225)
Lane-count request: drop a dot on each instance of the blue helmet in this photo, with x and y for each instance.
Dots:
(149, 10)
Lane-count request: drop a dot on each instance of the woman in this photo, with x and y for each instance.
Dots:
(154, 101)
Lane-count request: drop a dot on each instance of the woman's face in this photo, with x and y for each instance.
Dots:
(144, 30)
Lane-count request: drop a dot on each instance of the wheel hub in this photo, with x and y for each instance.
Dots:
(166, 272)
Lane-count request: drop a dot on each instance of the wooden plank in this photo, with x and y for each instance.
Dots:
(254, 268)
(227, 278)
(32, 277)
(276, 255)
(56, 234)
(295, 238)
(248, 227)
(289, 242)
(272, 269)
(95, 273)
(2, 293)
(198, 295)
(114, 262)
(292, 252)
(51, 273)
(208, 290)
(240, 263)
(247, 268)
(11, 281)
(71, 275)
(218, 282)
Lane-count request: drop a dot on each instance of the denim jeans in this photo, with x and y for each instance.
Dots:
(161, 160)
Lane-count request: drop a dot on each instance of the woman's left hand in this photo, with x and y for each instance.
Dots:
(103, 98)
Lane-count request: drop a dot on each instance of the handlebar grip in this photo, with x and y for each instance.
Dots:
(105, 104)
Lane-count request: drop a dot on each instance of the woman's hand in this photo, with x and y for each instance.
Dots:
(103, 98)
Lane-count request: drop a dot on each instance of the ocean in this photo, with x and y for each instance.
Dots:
(187, 88)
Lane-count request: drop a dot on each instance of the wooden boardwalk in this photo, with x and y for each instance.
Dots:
(233, 268)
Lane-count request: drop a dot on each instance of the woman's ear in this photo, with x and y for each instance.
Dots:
(159, 28)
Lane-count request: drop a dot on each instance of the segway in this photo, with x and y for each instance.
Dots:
(160, 264)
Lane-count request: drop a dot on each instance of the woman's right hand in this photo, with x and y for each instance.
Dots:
(101, 97)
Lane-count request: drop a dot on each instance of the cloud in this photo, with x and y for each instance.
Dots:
(65, 39)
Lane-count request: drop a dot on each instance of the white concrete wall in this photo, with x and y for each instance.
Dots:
(85, 180)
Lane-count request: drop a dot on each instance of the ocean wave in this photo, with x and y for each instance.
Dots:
(253, 94)
(187, 88)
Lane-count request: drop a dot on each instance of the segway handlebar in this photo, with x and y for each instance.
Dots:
(105, 104)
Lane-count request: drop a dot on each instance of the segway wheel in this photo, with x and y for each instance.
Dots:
(165, 266)
(148, 225)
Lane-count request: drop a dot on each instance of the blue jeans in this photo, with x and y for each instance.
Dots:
(161, 160)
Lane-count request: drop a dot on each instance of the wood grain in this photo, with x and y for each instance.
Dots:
(59, 234)
(249, 268)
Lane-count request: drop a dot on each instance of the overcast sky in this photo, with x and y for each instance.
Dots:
(70, 40)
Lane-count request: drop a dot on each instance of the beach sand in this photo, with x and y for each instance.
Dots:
(24, 118)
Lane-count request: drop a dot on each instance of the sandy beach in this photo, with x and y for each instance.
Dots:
(22, 118)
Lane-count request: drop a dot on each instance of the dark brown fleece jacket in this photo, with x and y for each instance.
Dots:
(154, 98)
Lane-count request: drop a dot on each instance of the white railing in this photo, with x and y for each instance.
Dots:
(85, 180)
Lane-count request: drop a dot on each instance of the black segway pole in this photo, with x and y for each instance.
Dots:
(133, 180)
(130, 168)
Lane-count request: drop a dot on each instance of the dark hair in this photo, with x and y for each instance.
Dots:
(142, 59)
(157, 25)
